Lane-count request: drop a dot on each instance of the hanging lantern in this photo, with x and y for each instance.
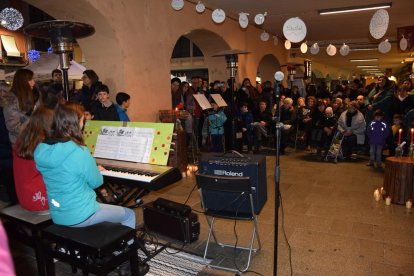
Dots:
(303, 48)
(11, 19)
(288, 45)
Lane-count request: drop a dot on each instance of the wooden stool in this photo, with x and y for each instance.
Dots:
(25, 226)
(90, 248)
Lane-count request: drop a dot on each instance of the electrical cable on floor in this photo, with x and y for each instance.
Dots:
(235, 244)
(284, 234)
(189, 195)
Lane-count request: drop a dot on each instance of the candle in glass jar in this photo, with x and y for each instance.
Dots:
(399, 136)
(388, 200)
(409, 204)
(377, 195)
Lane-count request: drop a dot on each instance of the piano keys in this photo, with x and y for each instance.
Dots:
(138, 177)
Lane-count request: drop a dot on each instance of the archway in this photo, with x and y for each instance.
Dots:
(267, 68)
(209, 43)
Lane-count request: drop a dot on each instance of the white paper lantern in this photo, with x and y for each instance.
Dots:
(314, 49)
(200, 8)
(294, 29)
(288, 45)
(384, 47)
(403, 43)
(264, 36)
(303, 48)
(243, 20)
(177, 4)
(344, 50)
(218, 16)
(379, 24)
(331, 50)
(260, 18)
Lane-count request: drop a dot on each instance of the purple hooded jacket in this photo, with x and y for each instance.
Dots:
(378, 132)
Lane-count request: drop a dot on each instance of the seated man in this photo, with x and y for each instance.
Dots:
(288, 118)
(328, 124)
(262, 119)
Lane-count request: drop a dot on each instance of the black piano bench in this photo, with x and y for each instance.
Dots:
(90, 248)
(25, 227)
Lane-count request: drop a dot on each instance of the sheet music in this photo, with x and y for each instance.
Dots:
(219, 100)
(124, 143)
(202, 101)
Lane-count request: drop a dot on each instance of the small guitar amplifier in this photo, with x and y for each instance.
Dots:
(184, 228)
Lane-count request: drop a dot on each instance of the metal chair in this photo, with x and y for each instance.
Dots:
(238, 206)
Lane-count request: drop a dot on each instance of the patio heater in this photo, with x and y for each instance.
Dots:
(62, 35)
(231, 58)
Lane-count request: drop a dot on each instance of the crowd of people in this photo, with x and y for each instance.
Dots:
(371, 118)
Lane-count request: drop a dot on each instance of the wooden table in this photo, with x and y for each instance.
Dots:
(399, 179)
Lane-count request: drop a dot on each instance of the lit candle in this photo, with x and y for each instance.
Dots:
(377, 195)
(382, 190)
(409, 204)
(399, 136)
(388, 200)
(412, 135)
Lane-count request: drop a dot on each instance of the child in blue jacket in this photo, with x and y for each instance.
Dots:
(216, 119)
(377, 132)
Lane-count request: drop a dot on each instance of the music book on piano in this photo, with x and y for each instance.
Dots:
(124, 143)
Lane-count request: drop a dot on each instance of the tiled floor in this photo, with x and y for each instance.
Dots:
(333, 225)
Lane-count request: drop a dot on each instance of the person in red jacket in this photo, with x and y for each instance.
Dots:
(30, 188)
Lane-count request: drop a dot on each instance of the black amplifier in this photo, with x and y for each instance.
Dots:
(253, 166)
(170, 224)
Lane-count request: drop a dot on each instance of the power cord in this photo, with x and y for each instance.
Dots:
(284, 234)
(237, 239)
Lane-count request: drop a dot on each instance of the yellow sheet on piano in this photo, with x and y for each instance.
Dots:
(161, 145)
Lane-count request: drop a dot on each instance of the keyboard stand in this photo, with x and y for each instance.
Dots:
(121, 195)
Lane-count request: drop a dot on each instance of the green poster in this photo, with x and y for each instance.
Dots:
(160, 147)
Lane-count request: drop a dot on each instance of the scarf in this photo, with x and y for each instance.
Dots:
(349, 117)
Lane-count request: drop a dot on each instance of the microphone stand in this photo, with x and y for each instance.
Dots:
(277, 173)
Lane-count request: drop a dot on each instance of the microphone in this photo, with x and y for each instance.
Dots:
(279, 76)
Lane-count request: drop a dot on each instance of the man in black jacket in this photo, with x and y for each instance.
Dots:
(261, 125)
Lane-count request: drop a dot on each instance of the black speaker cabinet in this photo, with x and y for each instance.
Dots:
(233, 165)
(182, 228)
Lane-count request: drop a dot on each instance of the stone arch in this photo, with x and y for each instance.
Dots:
(267, 67)
(209, 43)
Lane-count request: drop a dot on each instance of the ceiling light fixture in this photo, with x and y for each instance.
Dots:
(364, 49)
(367, 66)
(354, 8)
(363, 60)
